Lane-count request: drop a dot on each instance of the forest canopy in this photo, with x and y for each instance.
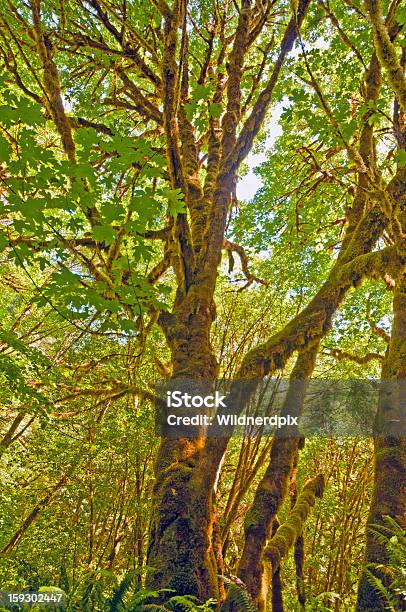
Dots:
(128, 257)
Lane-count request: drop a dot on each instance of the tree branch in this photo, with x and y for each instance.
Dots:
(234, 247)
(272, 488)
(253, 123)
(52, 84)
(341, 355)
(386, 51)
(290, 530)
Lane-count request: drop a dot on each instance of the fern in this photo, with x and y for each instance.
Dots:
(377, 584)
(393, 537)
(237, 594)
(117, 600)
(142, 601)
(187, 603)
(85, 601)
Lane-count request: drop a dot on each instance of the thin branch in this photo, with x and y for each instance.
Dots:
(341, 355)
(344, 37)
(236, 248)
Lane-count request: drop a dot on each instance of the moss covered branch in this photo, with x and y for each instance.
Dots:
(52, 84)
(272, 489)
(290, 530)
(231, 247)
(341, 355)
(386, 51)
(315, 319)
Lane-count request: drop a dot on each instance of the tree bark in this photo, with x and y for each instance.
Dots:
(272, 489)
(181, 538)
(389, 493)
(277, 586)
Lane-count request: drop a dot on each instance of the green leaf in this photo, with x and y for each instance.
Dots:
(5, 149)
(127, 325)
(112, 211)
(145, 204)
(3, 242)
(83, 170)
(215, 110)
(400, 157)
(190, 110)
(87, 137)
(401, 16)
(31, 114)
(104, 233)
(201, 92)
(349, 129)
(176, 204)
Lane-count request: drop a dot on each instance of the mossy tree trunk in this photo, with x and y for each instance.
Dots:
(181, 550)
(389, 493)
(272, 488)
(181, 539)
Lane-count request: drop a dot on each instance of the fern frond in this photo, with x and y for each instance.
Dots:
(140, 599)
(237, 594)
(117, 600)
(186, 602)
(85, 601)
(378, 586)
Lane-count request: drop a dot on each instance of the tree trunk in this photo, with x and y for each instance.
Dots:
(272, 489)
(389, 494)
(181, 550)
(277, 586)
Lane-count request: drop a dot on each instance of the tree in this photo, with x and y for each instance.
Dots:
(126, 126)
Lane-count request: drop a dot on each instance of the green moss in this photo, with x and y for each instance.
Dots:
(287, 534)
